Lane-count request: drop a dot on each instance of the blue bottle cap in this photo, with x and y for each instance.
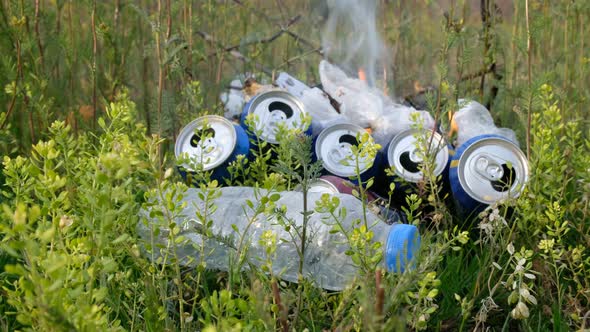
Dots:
(403, 242)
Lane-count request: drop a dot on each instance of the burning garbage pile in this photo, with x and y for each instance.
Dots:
(340, 99)
(483, 166)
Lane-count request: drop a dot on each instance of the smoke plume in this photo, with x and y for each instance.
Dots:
(350, 37)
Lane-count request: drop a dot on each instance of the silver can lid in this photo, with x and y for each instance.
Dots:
(320, 186)
(333, 147)
(210, 140)
(492, 169)
(404, 155)
(273, 108)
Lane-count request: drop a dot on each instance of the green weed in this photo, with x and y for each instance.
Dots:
(94, 94)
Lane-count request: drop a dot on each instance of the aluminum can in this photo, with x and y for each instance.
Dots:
(333, 146)
(322, 185)
(485, 170)
(402, 154)
(273, 108)
(330, 184)
(213, 142)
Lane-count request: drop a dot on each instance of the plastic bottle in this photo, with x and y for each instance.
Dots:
(325, 260)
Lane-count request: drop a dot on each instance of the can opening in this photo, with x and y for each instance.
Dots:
(201, 134)
(506, 181)
(348, 139)
(280, 106)
(408, 164)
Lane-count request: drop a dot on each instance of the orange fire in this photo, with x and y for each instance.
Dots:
(454, 126)
(362, 75)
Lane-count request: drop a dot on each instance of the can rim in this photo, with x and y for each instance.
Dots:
(192, 126)
(322, 136)
(277, 93)
(439, 168)
(515, 190)
(324, 182)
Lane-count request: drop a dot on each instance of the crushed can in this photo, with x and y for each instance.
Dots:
(272, 109)
(329, 184)
(485, 170)
(213, 142)
(403, 155)
(333, 146)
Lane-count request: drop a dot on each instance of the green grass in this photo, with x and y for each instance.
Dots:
(159, 64)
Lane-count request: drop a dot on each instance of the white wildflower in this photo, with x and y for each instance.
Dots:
(65, 221)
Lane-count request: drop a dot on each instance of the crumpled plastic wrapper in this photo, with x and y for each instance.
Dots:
(473, 119)
(398, 118)
(360, 104)
(369, 107)
(322, 113)
(233, 100)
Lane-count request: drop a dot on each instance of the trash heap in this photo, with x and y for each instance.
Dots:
(483, 166)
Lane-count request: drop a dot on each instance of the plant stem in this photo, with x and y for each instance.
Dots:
(16, 81)
(38, 35)
(160, 67)
(74, 62)
(529, 77)
(94, 69)
(144, 73)
(566, 56)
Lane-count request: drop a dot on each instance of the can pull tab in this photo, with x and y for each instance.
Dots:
(210, 149)
(498, 172)
(343, 149)
(272, 122)
(341, 152)
(278, 112)
(488, 167)
(276, 117)
(203, 140)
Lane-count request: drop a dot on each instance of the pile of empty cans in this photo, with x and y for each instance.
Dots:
(481, 168)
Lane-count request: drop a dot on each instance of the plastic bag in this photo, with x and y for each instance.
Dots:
(233, 100)
(473, 119)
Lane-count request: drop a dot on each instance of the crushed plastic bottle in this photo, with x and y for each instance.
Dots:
(368, 107)
(325, 262)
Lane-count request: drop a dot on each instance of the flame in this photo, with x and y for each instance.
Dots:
(454, 127)
(362, 75)
(418, 88)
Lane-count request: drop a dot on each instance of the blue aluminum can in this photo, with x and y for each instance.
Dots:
(212, 142)
(404, 156)
(271, 110)
(333, 146)
(485, 170)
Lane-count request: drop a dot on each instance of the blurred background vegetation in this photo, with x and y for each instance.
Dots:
(67, 59)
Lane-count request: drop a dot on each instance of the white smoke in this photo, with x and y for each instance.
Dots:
(350, 37)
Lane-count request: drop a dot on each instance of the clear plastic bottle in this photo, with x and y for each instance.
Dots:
(325, 260)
